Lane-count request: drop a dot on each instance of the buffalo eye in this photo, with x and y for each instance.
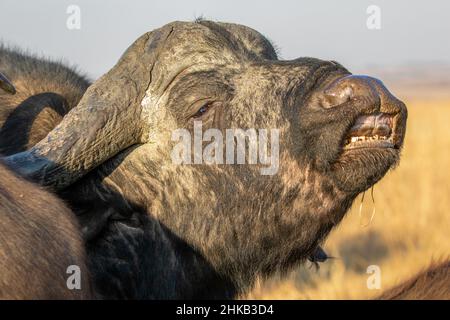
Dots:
(203, 110)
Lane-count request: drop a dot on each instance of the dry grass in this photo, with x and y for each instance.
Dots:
(411, 226)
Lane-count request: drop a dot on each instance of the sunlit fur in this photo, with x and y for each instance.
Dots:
(46, 91)
(430, 284)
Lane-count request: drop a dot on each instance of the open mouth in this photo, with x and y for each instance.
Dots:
(371, 131)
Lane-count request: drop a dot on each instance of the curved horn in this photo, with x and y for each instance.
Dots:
(107, 120)
(6, 85)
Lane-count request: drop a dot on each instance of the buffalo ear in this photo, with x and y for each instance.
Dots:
(108, 119)
(6, 84)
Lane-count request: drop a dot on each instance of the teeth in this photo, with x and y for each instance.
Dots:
(365, 138)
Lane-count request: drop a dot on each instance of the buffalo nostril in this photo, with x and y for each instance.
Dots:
(349, 87)
(335, 97)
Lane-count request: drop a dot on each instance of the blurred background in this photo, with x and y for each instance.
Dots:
(404, 43)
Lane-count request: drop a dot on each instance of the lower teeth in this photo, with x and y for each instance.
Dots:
(364, 138)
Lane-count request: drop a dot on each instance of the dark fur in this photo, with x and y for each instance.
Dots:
(432, 283)
(39, 240)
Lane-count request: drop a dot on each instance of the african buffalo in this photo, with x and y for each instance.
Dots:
(42, 94)
(431, 283)
(159, 229)
(40, 244)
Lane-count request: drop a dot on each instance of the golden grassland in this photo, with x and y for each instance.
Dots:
(411, 226)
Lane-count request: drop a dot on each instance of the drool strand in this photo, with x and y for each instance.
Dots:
(373, 209)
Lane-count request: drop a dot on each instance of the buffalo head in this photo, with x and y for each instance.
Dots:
(330, 134)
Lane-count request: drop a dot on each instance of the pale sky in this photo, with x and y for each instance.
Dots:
(411, 31)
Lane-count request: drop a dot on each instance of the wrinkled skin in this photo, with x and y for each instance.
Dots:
(156, 229)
